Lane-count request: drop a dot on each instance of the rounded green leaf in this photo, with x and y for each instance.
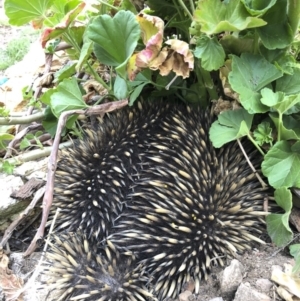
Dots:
(278, 224)
(230, 126)
(120, 88)
(21, 12)
(258, 7)
(281, 165)
(115, 38)
(210, 52)
(250, 73)
(67, 97)
(295, 252)
(277, 33)
(216, 16)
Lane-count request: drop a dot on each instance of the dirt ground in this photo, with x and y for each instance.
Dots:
(257, 263)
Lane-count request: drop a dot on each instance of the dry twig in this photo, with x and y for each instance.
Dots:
(48, 197)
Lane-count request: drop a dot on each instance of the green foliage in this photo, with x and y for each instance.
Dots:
(21, 12)
(281, 165)
(4, 137)
(210, 52)
(215, 16)
(263, 134)
(295, 252)
(7, 167)
(250, 73)
(250, 45)
(277, 33)
(25, 143)
(4, 112)
(67, 97)
(278, 224)
(231, 125)
(117, 39)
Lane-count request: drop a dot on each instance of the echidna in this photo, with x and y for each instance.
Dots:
(77, 269)
(149, 180)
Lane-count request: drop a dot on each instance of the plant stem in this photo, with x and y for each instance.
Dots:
(204, 77)
(94, 73)
(192, 6)
(185, 9)
(255, 144)
(255, 42)
(22, 119)
(279, 127)
(263, 184)
(98, 78)
(293, 14)
(179, 10)
(109, 5)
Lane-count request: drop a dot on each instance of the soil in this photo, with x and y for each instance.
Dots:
(257, 263)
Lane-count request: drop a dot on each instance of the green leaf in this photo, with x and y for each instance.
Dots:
(278, 100)
(216, 16)
(250, 73)
(289, 127)
(271, 99)
(295, 252)
(120, 88)
(8, 168)
(21, 12)
(46, 97)
(278, 224)
(116, 38)
(5, 137)
(128, 5)
(59, 9)
(286, 64)
(163, 9)
(142, 77)
(50, 122)
(289, 84)
(67, 97)
(258, 7)
(230, 126)
(136, 92)
(210, 52)
(237, 45)
(85, 53)
(70, 124)
(65, 72)
(263, 133)
(197, 93)
(4, 112)
(277, 33)
(25, 143)
(281, 165)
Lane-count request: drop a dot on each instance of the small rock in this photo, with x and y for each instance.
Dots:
(22, 266)
(246, 293)
(9, 207)
(217, 299)
(264, 285)
(284, 294)
(185, 296)
(189, 286)
(2, 297)
(231, 277)
(192, 297)
(32, 169)
(276, 268)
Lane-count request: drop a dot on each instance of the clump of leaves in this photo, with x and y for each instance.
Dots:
(245, 51)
